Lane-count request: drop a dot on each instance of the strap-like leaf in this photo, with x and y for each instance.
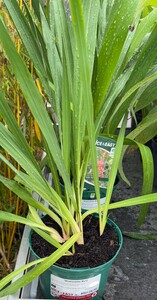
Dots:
(37, 107)
(43, 266)
(111, 48)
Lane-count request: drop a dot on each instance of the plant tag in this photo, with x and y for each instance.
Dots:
(105, 151)
(90, 204)
(69, 289)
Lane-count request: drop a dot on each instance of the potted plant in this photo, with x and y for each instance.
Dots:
(91, 57)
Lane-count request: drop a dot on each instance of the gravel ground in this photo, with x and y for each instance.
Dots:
(133, 275)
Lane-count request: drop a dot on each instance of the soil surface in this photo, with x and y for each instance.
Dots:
(95, 251)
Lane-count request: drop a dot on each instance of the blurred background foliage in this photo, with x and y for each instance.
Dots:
(10, 233)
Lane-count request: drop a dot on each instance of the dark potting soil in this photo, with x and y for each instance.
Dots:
(95, 251)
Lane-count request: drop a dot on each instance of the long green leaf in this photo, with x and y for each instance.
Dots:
(140, 236)
(147, 96)
(91, 12)
(46, 192)
(4, 281)
(146, 129)
(148, 175)
(25, 195)
(53, 58)
(28, 37)
(102, 22)
(134, 201)
(140, 200)
(126, 101)
(19, 151)
(81, 44)
(39, 269)
(6, 216)
(111, 49)
(31, 92)
(11, 122)
(138, 78)
(145, 26)
(113, 172)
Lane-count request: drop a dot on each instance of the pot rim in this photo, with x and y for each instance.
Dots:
(111, 223)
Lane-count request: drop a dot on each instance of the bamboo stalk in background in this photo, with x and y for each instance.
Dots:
(8, 232)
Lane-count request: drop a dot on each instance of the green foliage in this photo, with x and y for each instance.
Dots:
(93, 65)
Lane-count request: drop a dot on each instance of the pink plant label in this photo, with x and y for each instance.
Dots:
(74, 289)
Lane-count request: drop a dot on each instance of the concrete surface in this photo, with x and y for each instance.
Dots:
(134, 273)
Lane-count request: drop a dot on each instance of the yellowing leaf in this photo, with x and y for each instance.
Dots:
(37, 130)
